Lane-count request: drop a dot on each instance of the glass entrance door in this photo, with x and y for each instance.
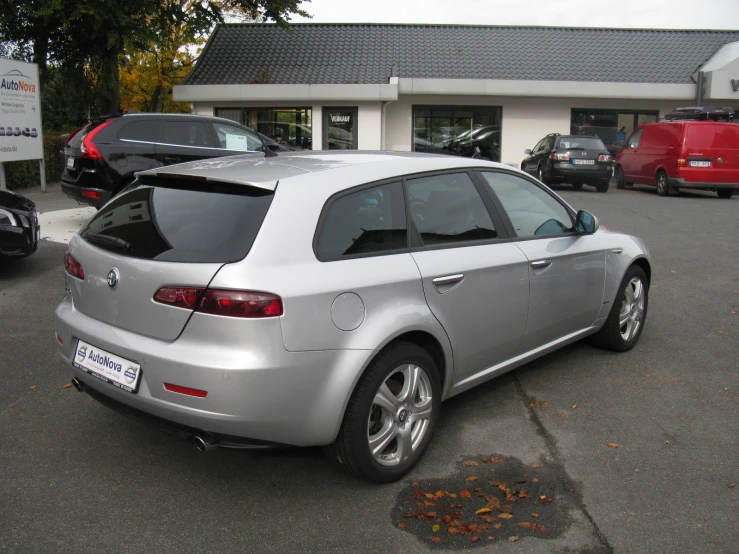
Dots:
(339, 128)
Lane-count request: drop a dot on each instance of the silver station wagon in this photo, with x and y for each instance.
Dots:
(333, 299)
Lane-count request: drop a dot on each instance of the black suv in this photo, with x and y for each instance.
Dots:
(103, 155)
(575, 159)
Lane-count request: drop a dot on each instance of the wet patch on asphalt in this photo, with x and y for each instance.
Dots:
(490, 498)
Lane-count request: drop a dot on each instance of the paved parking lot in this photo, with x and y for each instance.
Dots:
(77, 477)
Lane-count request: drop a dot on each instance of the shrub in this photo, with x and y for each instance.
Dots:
(25, 173)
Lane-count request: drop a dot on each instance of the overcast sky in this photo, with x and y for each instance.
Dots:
(649, 14)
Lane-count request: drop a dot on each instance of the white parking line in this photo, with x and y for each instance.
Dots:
(61, 225)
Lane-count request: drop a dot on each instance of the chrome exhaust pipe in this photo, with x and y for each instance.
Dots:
(205, 443)
(79, 385)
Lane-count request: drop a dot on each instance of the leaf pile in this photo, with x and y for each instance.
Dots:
(491, 498)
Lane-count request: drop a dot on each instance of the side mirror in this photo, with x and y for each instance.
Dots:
(586, 223)
(527, 151)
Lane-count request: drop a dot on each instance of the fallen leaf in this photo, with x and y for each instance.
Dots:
(493, 501)
(439, 494)
(538, 404)
(495, 459)
(474, 538)
(535, 480)
(471, 463)
(534, 515)
(723, 332)
(491, 538)
(473, 477)
(506, 508)
(485, 510)
(545, 499)
(505, 516)
(32, 387)
(435, 528)
(673, 271)
(67, 386)
(417, 494)
(731, 485)
(415, 483)
(498, 525)
(465, 494)
(575, 406)
(523, 493)
(435, 539)
(427, 504)
(402, 525)
(514, 538)
(535, 466)
(429, 495)
(667, 442)
(451, 495)
(484, 459)
(488, 519)
(453, 530)
(533, 526)
(613, 444)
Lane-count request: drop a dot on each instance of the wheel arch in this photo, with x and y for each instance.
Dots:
(644, 264)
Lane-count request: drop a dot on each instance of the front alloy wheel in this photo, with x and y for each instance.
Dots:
(391, 415)
(633, 307)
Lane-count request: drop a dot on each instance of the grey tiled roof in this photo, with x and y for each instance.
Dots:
(366, 53)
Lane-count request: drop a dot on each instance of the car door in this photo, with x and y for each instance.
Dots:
(629, 158)
(185, 140)
(529, 164)
(566, 270)
(475, 283)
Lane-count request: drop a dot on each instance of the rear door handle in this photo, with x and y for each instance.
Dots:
(172, 159)
(448, 282)
(541, 264)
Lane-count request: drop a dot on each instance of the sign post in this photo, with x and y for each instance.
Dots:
(21, 137)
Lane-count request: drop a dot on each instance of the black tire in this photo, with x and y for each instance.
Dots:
(540, 175)
(619, 175)
(663, 185)
(725, 193)
(577, 186)
(609, 337)
(602, 186)
(351, 449)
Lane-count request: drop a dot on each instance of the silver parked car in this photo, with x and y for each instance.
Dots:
(333, 299)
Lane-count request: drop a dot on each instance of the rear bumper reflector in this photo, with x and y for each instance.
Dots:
(186, 390)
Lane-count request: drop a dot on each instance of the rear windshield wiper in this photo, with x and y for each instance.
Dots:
(106, 240)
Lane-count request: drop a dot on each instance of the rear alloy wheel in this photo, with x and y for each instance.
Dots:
(577, 186)
(391, 415)
(619, 175)
(663, 186)
(725, 193)
(629, 312)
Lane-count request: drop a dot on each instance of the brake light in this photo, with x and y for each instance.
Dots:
(559, 156)
(69, 139)
(604, 158)
(91, 193)
(682, 162)
(73, 267)
(230, 303)
(88, 149)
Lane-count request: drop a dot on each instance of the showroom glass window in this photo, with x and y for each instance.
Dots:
(469, 131)
(290, 126)
(612, 126)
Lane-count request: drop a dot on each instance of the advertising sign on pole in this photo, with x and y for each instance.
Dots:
(20, 113)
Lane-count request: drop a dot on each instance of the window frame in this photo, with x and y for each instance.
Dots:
(347, 192)
(506, 219)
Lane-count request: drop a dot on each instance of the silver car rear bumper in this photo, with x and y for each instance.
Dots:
(292, 398)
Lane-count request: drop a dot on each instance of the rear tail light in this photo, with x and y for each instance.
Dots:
(231, 303)
(88, 149)
(73, 267)
(74, 134)
(682, 162)
(559, 156)
(91, 193)
(604, 158)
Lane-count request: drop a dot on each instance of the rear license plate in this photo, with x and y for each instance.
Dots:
(696, 163)
(113, 369)
(583, 162)
(70, 162)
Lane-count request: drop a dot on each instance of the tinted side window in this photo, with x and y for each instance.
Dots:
(532, 210)
(234, 138)
(634, 139)
(364, 222)
(447, 209)
(539, 145)
(186, 133)
(144, 131)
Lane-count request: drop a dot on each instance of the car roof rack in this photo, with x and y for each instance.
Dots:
(701, 113)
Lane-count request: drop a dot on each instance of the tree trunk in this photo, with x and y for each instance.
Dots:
(40, 55)
(109, 81)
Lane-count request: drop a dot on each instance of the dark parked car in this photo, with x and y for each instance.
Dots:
(103, 155)
(19, 228)
(482, 142)
(575, 159)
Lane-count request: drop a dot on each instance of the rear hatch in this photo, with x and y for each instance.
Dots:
(159, 233)
(74, 163)
(698, 153)
(582, 153)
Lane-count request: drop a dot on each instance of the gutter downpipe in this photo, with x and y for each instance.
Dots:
(699, 89)
(382, 123)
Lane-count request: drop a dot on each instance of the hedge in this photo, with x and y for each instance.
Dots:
(25, 173)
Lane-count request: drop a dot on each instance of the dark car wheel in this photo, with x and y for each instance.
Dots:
(663, 186)
(391, 415)
(602, 186)
(626, 320)
(725, 193)
(540, 175)
(577, 186)
(620, 182)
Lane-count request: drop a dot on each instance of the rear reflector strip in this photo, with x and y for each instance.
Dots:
(91, 193)
(186, 390)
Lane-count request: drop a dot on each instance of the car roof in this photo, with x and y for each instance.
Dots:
(264, 172)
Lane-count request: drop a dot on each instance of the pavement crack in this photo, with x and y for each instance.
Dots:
(560, 471)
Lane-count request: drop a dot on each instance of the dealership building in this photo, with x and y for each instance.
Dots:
(439, 87)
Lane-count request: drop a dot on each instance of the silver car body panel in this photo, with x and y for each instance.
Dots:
(288, 379)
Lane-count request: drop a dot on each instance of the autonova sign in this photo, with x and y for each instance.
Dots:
(20, 112)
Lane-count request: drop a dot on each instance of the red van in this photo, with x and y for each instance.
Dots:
(693, 148)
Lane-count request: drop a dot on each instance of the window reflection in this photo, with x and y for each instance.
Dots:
(611, 126)
(470, 131)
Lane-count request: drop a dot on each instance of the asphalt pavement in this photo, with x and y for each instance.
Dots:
(77, 477)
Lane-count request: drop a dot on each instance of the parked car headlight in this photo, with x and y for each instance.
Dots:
(7, 218)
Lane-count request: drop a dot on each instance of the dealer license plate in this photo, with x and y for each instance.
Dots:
(113, 369)
(697, 163)
(583, 162)
(70, 162)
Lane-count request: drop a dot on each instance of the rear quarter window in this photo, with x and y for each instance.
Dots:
(140, 131)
